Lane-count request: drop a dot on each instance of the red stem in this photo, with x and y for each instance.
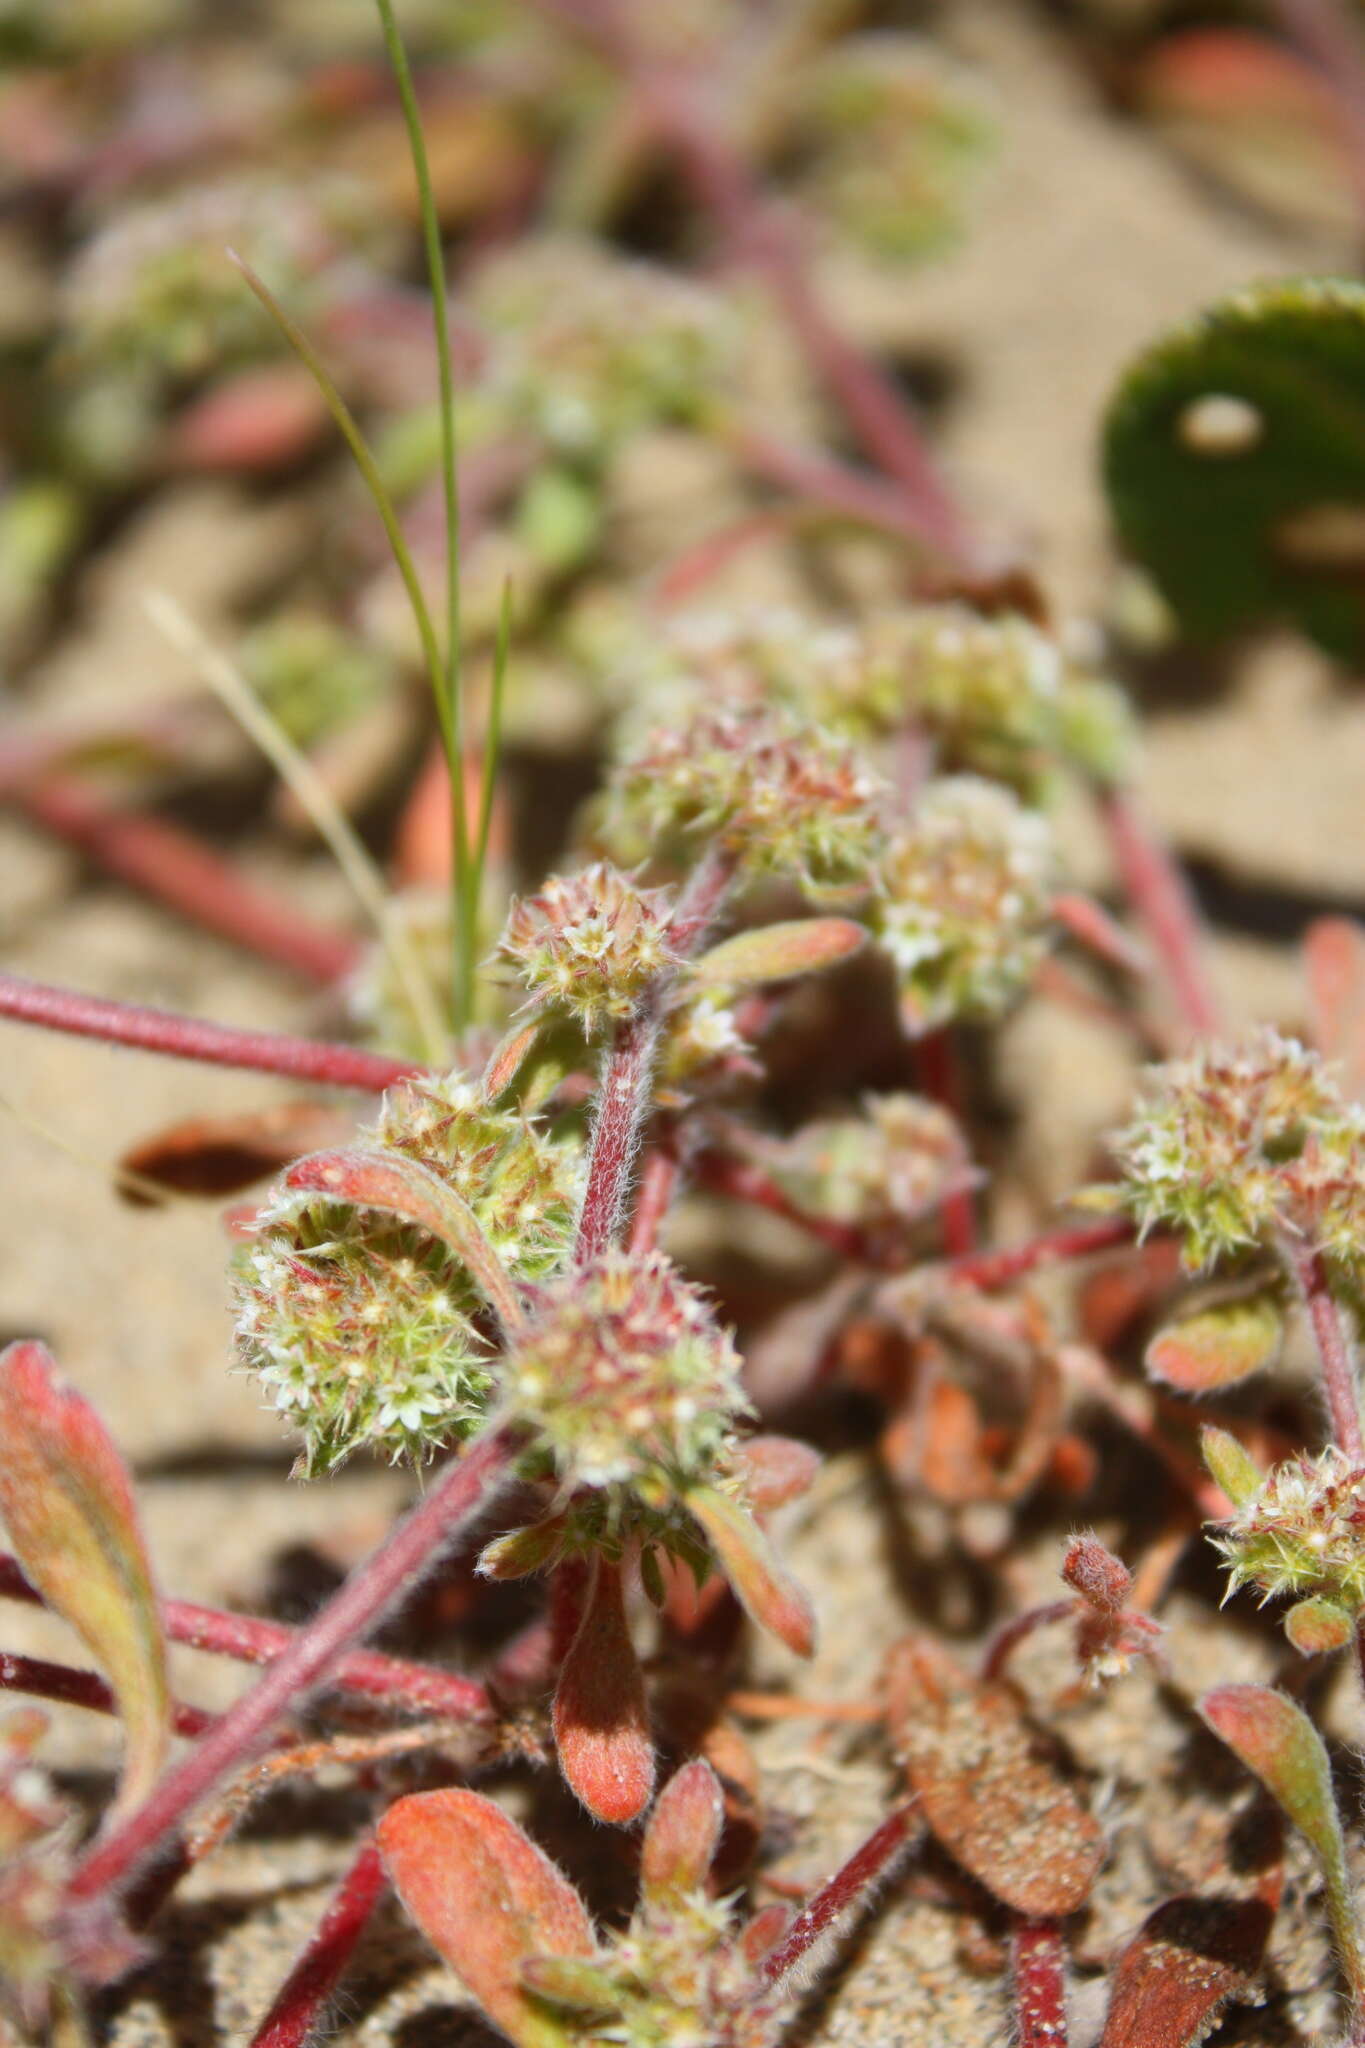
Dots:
(416, 1688)
(1039, 1963)
(848, 1886)
(990, 1270)
(1160, 895)
(657, 1184)
(1340, 1382)
(623, 1093)
(1007, 1639)
(745, 1182)
(175, 868)
(298, 2006)
(74, 1688)
(190, 1038)
(462, 1492)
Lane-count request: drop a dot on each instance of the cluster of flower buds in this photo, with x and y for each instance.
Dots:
(1234, 1145)
(963, 911)
(1296, 1532)
(890, 135)
(589, 945)
(686, 1971)
(588, 347)
(777, 795)
(152, 290)
(880, 1172)
(368, 1330)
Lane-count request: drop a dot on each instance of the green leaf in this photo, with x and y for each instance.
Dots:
(1276, 1740)
(1234, 458)
(67, 1502)
(1231, 1465)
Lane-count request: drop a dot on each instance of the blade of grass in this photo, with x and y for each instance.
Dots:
(294, 768)
(492, 748)
(465, 884)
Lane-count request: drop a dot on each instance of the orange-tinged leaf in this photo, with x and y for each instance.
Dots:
(683, 1835)
(601, 1716)
(1186, 1961)
(487, 1899)
(67, 1502)
(992, 1799)
(776, 1469)
(1217, 1346)
(765, 1589)
(778, 952)
(1318, 1625)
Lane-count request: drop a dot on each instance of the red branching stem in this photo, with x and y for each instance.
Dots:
(990, 1270)
(624, 1091)
(743, 1181)
(1329, 35)
(766, 240)
(393, 1681)
(1038, 1957)
(1340, 1380)
(1007, 1638)
(72, 1688)
(658, 1182)
(176, 869)
(823, 483)
(190, 1038)
(850, 1884)
(463, 1491)
(1161, 898)
(301, 2000)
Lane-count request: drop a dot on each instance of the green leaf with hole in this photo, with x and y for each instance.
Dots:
(1234, 459)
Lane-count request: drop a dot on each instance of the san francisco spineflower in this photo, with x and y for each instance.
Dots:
(588, 346)
(881, 1171)
(1235, 1144)
(1300, 1532)
(963, 911)
(687, 1972)
(589, 944)
(781, 797)
(368, 1331)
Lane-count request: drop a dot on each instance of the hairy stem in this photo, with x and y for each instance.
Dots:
(1340, 1381)
(367, 1674)
(624, 1091)
(462, 1492)
(1038, 1961)
(174, 868)
(72, 1688)
(190, 1038)
(1161, 898)
(848, 1887)
(990, 1270)
(1008, 1637)
(298, 2006)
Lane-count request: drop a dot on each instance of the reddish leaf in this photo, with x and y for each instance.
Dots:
(1188, 1959)
(1334, 963)
(507, 1059)
(988, 1794)
(776, 1469)
(683, 1835)
(67, 1501)
(488, 1899)
(1318, 1625)
(404, 1187)
(601, 1717)
(1219, 1345)
(766, 1591)
(222, 1155)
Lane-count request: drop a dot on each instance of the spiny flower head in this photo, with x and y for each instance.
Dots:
(963, 911)
(1232, 1141)
(590, 346)
(589, 944)
(890, 133)
(880, 1171)
(781, 797)
(367, 1331)
(628, 1379)
(1302, 1532)
(153, 289)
